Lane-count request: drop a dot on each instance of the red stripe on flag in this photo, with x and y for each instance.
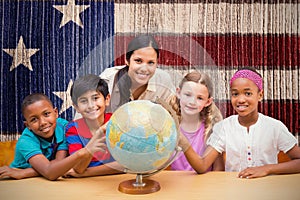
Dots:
(274, 51)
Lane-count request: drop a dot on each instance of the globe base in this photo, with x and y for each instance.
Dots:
(129, 187)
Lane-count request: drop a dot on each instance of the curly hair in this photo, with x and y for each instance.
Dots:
(211, 114)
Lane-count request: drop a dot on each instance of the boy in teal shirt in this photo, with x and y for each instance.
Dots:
(42, 149)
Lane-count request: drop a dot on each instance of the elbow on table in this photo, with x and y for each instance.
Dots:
(51, 177)
(200, 171)
(201, 168)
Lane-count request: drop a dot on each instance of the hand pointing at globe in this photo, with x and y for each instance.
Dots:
(97, 142)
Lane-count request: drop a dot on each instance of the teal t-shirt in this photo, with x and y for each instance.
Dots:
(30, 144)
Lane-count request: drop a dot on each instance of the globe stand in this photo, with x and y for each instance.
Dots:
(138, 186)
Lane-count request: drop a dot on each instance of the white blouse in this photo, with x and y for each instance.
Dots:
(259, 147)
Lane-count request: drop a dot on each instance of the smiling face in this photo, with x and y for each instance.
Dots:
(91, 105)
(142, 65)
(40, 118)
(193, 98)
(245, 96)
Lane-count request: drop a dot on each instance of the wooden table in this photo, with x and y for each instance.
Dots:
(174, 185)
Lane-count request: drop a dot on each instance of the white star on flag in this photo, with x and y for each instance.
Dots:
(21, 55)
(71, 12)
(66, 97)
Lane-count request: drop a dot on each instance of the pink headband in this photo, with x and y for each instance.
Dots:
(251, 75)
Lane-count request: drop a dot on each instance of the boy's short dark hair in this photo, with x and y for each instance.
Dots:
(32, 98)
(87, 83)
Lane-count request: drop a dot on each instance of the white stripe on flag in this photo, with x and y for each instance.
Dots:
(256, 18)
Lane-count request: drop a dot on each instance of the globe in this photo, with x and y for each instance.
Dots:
(141, 136)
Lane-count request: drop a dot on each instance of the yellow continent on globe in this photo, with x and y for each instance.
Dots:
(114, 137)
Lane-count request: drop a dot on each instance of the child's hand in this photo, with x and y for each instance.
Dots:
(103, 127)
(71, 174)
(97, 142)
(7, 172)
(254, 172)
(183, 142)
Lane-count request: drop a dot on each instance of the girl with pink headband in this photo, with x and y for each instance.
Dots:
(248, 74)
(250, 139)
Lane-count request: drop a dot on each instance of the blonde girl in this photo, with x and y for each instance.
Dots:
(197, 114)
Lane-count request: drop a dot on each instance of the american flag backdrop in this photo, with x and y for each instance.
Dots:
(46, 44)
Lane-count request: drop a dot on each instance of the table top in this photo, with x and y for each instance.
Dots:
(174, 185)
